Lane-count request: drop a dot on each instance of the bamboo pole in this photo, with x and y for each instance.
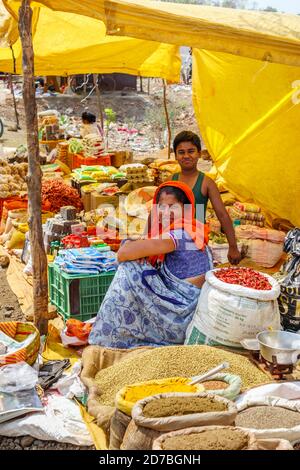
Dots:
(34, 179)
(167, 116)
(96, 84)
(14, 101)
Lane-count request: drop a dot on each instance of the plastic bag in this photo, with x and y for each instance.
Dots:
(19, 376)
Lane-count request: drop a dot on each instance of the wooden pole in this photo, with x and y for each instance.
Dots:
(167, 116)
(96, 84)
(84, 86)
(141, 85)
(149, 86)
(34, 179)
(14, 100)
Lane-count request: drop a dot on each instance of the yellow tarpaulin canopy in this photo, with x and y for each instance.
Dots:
(66, 44)
(249, 115)
(258, 35)
(246, 83)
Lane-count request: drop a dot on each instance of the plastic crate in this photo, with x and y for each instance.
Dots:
(78, 160)
(77, 296)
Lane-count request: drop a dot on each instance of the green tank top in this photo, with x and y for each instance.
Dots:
(199, 198)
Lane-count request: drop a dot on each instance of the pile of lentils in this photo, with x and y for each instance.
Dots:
(173, 361)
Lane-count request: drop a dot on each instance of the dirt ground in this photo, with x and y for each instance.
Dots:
(133, 108)
(9, 306)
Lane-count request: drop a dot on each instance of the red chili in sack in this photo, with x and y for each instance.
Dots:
(245, 277)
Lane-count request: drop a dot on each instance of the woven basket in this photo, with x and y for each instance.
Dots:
(19, 331)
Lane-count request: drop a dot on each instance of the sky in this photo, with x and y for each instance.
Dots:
(288, 6)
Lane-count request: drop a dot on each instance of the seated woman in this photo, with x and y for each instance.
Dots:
(151, 304)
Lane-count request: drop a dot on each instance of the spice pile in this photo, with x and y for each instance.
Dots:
(267, 417)
(137, 392)
(178, 406)
(214, 439)
(172, 361)
(214, 385)
(245, 277)
(56, 194)
(12, 178)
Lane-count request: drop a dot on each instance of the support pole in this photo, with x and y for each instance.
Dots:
(34, 179)
(14, 100)
(100, 108)
(167, 116)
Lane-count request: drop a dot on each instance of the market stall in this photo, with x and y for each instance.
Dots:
(162, 398)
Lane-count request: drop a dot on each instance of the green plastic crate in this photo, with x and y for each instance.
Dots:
(77, 296)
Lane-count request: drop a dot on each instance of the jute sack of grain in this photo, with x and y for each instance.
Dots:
(291, 434)
(143, 429)
(228, 313)
(118, 425)
(214, 438)
(94, 359)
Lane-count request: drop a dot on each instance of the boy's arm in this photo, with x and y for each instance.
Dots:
(234, 256)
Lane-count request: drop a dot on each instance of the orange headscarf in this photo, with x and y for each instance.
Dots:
(197, 230)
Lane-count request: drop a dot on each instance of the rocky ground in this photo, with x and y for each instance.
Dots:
(30, 443)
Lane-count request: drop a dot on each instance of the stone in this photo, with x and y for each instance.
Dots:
(27, 441)
(7, 314)
(9, 307)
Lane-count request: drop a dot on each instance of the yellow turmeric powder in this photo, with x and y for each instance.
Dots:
(128, 396)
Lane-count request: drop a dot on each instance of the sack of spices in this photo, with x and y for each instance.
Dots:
(228, 311)
(171, 411)
(224, 385)
(264, 253)
(127, 397)
(270, 417)
(207, 438)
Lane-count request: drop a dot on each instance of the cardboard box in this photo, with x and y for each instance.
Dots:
(96, 200)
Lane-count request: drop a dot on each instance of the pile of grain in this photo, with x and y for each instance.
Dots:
(178, 406)
(267, 417)
(215, 439)
(173, 361)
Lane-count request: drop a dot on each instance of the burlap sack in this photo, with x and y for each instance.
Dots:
(138, 437)
(158, 444)
(118, 425)
(172, 423)
(94, 359)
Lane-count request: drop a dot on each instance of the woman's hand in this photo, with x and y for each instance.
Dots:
(234, 256)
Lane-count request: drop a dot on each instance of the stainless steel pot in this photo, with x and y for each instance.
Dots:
(279, 346)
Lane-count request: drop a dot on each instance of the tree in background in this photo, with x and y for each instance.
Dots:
(272, 9)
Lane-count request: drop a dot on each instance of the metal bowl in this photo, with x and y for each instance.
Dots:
(280, 347)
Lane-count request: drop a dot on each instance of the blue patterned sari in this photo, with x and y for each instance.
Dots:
(144, 307)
